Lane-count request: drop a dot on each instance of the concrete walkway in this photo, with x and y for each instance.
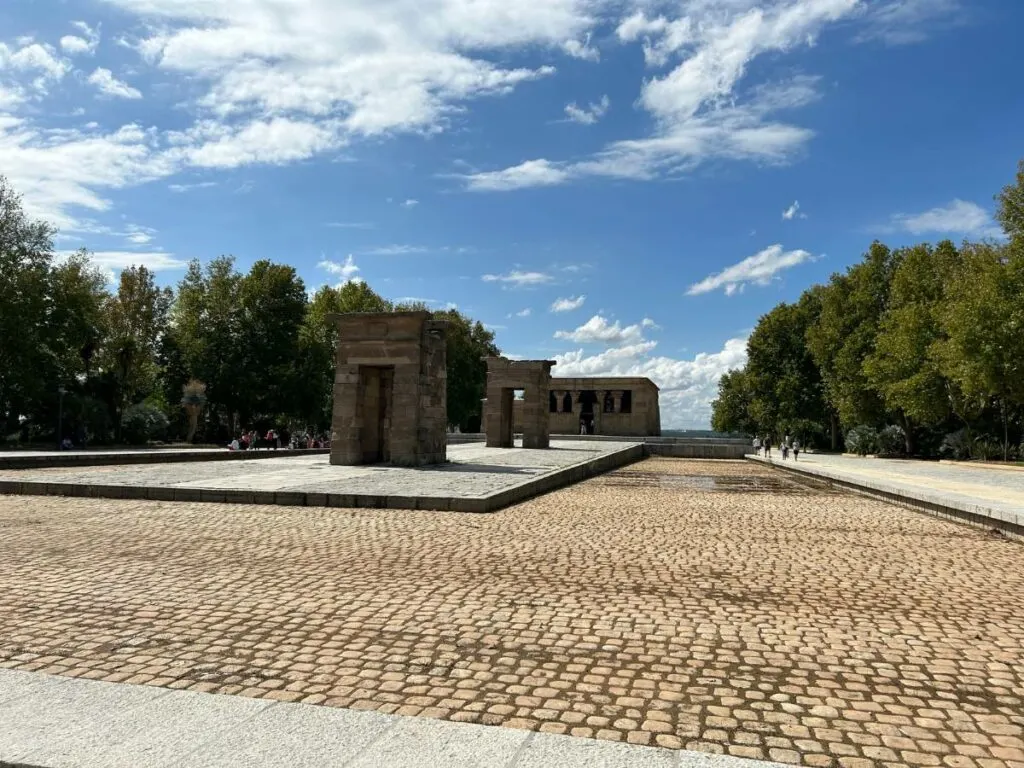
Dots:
(981, 492)
(57, 722)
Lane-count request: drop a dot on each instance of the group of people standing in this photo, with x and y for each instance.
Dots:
(786, 446)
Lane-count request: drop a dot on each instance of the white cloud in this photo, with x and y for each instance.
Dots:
(597, 330)
(396, 250)
(589, 114)
(138, 235)
(524, 312)
(793, 212)
(758, 269)
(902, 22)
(687, 386)
(957, 217)
(109, 85)
(519, 279)
(82, 44)
(569, 304)
(34, 58)
(349, 225)
(188, 187)
(381, 65)
(698, 110)
(581, 49)
(410, 203)
(276, 141)
(347, 271)
(532, 173)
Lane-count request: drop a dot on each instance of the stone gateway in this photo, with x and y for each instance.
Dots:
(390, 389)
(504, 377)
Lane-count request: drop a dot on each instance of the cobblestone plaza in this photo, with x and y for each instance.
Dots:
(714, 606)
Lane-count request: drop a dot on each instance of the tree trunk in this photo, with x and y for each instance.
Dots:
(908, 435)
(1006, 433)
(835, 431)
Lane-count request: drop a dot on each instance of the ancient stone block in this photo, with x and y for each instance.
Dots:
(390, 391)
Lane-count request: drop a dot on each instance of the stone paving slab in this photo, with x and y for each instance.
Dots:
(60, 723)
(977, 494)
(476, 479)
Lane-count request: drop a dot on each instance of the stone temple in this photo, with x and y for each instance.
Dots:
(390, 389)
(622, 406)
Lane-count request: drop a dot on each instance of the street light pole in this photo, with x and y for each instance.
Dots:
(60, 418)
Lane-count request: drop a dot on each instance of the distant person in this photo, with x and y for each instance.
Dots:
(796, 450)
(785, 450)
(768, 447)
(234, 445)
(757, 446)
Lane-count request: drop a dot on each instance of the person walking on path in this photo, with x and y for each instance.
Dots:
(768, 447)
(757, 446)
(785, 449)
(796, 450)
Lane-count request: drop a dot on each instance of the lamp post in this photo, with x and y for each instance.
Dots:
(60, 417)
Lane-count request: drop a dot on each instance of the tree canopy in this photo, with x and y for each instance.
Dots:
(258, 344)
(928, 338)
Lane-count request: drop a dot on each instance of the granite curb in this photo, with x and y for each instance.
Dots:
(108, 458)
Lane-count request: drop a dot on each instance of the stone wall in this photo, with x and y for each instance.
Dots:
(504, 376)
(390, 389)
(639, 415)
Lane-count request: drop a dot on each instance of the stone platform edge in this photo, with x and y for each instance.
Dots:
(528, 489)
(976, 515)
(102, 459)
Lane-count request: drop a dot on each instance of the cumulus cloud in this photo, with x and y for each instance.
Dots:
(346, 271)
(758, 269)
(524, 312)
(532, 173)
(698, 110)
(958, 217)
(34, 59)
(109, 85)
(410, 203)
(519, 279)
(569, 304)
(581, 49)
(793, 212)
(598, 330)
(687, 385)
(589, 114)
(83, 43)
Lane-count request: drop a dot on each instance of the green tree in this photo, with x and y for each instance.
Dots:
(27, 376)
(852, 306)
(272, 306)
(785, 386)
(904, 366)
(136, 317)
(983, 321)
(469, 343)
(77, 322)
(207, 329)
(1010, 209)
(730, 411)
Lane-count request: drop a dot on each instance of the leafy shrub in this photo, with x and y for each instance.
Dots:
(986, 448)
(862, 440)
(957, 446)
(892, 441)
(142, 423)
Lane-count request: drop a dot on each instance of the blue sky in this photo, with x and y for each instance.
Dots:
(623, 186)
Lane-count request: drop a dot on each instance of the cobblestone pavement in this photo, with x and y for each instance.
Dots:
(717, 606)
